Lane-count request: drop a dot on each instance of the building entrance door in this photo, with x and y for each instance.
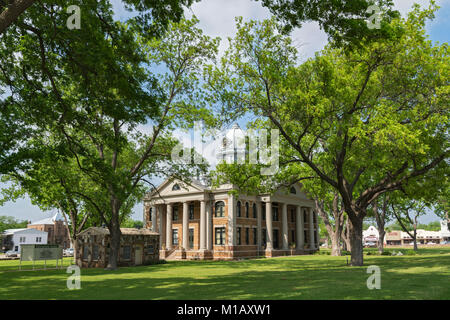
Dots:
(138, 255)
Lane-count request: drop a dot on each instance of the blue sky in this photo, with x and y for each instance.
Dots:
(217, 20)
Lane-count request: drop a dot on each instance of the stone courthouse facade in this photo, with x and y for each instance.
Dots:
(197, 222)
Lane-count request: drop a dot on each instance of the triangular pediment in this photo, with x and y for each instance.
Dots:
(297, 187)
(174, 186)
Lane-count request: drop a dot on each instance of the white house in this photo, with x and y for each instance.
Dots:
(371, 235)
(14, 238)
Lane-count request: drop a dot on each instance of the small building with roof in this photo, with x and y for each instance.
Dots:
(137, 247)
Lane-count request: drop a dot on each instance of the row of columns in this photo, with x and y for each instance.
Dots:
(206, 226)
(284, 225)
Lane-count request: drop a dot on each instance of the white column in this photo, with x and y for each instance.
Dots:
(269, 243)
(162, 222)
(157, 218)
(231, 241)
(311, 229)
(208, 226)
(202, 225)
(284, 221)
(185, 226)
(169, 227)
(300, 230)
(259, 211)
(153, 218)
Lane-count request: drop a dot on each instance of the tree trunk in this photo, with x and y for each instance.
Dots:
(75, 250)
(346, 237)
(381, 233)
(415, 239)
(115, 234)
(356, 242)
(335, 244)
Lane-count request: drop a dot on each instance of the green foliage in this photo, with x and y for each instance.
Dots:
(344, 22)
(7, 222)
(130, 223)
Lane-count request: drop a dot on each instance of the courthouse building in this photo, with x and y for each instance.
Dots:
(196, 221)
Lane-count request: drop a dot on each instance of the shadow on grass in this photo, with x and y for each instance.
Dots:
(307, 277)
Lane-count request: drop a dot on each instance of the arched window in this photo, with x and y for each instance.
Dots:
(255, 213)
(246, 209)
(293, 191)
(176, 187)
(219, 209)
(238, 208)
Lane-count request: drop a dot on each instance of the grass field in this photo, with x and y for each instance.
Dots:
(423, 276)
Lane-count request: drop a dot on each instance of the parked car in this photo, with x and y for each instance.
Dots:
(11, 253)
(370, 244)
(68, 252)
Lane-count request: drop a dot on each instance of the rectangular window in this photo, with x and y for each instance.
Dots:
(305, 235)
(275, 213)
(264, 237)
(238, 229)
(126, 253)
(292, 235)
(292, 215)
(85, 252)
(175, 213)
(150, 249)
(255, 236)
(220, 236)
(247, 235)
(275, 238)
(150, 214)
(191, 211)
(95, 252)
(191, 238)
(175, 237)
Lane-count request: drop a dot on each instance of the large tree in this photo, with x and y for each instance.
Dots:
(90, 90)
(51, 52)
(366, 121)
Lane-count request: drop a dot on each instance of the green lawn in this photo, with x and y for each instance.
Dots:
(424, 276)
